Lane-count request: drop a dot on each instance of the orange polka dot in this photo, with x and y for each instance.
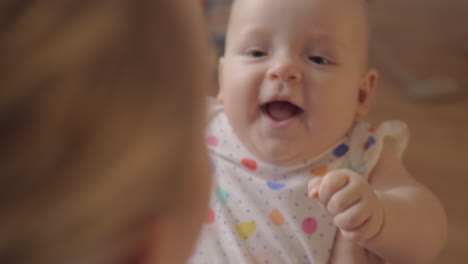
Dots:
(320, 171)
(277, 218)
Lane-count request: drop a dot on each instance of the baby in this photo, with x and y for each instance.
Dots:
(293, 160)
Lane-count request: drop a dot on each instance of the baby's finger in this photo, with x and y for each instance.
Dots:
(353, 218)
(344, 199)
(365, 231)
(331, 183)
(313, 187)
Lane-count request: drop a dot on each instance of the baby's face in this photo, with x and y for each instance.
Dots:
(292, 75)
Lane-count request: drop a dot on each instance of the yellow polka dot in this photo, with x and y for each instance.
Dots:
(246, 229)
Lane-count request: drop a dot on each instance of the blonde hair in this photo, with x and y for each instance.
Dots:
(94, 108)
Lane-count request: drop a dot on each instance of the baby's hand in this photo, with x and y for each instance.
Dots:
(352, 202)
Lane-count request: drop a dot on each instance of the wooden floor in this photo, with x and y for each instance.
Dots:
(430, 37)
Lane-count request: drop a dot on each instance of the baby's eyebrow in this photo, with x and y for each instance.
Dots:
(325, 40)
(254, 31)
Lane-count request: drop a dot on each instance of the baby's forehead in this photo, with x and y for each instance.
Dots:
(308, 15)
(356, 9)
(356, 1)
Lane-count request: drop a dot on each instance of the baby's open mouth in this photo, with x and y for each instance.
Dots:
(281, 110)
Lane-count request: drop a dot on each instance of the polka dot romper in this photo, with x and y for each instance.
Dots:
(260, 213)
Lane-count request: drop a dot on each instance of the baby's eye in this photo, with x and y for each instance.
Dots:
(257, 54)
(319, 60)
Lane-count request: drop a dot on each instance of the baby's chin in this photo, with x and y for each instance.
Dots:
(282, 153)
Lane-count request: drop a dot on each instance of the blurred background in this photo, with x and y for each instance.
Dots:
(429, 39)
(420, 48)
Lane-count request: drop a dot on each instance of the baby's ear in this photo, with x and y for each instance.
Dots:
(366, 92)
(220, 78)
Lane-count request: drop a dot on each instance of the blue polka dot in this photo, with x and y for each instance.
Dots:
(275, 186)
(341, 150)
(369, 143)
(222, 195)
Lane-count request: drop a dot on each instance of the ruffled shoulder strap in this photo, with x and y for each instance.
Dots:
(367, 142)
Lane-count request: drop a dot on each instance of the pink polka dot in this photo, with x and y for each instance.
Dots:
(212, 141)
(309, 225)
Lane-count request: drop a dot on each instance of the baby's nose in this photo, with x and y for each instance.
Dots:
(286, 71)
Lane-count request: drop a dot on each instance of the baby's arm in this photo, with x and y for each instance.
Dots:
(414, 228)
(394, 216)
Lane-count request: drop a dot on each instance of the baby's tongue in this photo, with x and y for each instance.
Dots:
(281, 111)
